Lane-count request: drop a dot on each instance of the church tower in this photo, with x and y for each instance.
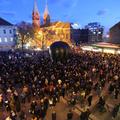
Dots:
(35, 16)
(46, 16)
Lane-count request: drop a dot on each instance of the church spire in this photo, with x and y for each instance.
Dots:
(35, 9)
(46, 16)
(35, 16)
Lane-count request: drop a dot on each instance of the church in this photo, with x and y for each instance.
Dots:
(48, 32)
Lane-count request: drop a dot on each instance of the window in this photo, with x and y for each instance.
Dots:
(4, 31)
(0, 40)
(11, 39)
(10, 31)
(14, 30)
(6, 40)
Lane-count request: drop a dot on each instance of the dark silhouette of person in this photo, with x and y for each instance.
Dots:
(90, 100)
(69, 115)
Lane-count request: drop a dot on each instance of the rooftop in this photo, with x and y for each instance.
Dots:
(4, 22)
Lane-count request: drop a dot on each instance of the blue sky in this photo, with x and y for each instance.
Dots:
(107, 12)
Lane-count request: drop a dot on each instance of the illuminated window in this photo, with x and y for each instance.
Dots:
(0, 39)
(6, 40)
(99, 32)
(11, 39)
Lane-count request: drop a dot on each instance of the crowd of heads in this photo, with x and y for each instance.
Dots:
(24, 76)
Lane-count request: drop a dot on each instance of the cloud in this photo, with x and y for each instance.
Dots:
(8, 13)
(102, 12)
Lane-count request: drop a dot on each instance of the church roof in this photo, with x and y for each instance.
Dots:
(4, 22)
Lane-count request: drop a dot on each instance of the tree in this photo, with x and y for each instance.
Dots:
(25, 32)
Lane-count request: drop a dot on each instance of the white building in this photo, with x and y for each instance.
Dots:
(7, 35)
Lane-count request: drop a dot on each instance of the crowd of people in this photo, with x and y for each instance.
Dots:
(34, 79)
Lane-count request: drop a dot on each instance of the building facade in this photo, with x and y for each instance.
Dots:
(48, 32)
(115, 34)
(56, 31)
(80, 36)
(97, 30)
(7, 35)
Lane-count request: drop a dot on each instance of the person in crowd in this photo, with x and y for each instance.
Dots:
(13, 115)
(101, 104)
(8, 118)
(111, 88)
(115, 111)
(32, 108)
(34, 118)
(70, 115)
(1, 101)
(22, 115)
(116, 93)
(90, 100)
(85, 114)
(46, 103)
(54, 115)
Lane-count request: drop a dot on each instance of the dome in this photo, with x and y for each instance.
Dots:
(59, 50)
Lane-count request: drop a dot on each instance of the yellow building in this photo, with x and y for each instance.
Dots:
(49, 32)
